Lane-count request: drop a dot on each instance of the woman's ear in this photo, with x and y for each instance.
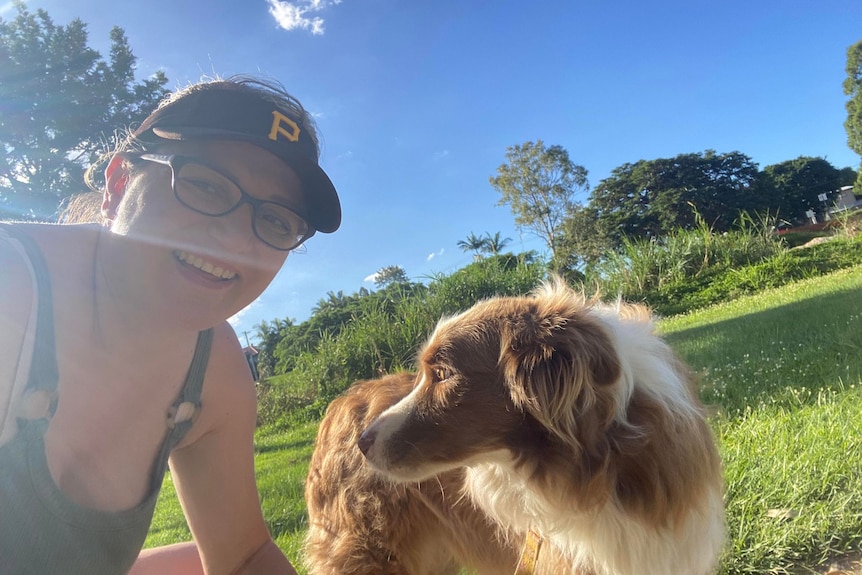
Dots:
(116, 178)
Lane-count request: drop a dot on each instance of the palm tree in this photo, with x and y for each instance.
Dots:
(494, 244)
(475, 244)
(334, 301)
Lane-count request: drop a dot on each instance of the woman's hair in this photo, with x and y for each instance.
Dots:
(86, 207)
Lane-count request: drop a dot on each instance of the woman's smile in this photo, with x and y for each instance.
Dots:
(204, 268)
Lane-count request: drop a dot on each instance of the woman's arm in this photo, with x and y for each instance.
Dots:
(177, 559)
(183, 559)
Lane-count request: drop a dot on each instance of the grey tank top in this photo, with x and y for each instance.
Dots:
(43, 532)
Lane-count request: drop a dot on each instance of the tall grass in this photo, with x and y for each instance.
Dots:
(646, 265)
(692, 269)
(384, 335)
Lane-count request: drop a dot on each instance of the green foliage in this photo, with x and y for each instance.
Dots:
(268, 336)
(539, 184)
(61, 103)
(853, 90)
(660, 271)
(683, 273)
(652, 198)
(369, 334)
(504, 275)
(382, 335)
(581, 242)
(794, 186)
(495, 244)
(390, 275)
(486, 244)
(473, 243)
(781, 373)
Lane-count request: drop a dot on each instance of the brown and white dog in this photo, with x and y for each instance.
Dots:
(569, 417)
(362, 524)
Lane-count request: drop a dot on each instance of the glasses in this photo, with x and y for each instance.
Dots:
(207, 191)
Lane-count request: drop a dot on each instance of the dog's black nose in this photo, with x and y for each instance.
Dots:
(366, 440)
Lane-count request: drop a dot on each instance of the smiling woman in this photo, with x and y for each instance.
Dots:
(115, 353)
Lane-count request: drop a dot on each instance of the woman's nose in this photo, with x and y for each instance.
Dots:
(235, 230)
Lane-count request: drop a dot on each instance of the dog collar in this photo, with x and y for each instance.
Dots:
(530, 553)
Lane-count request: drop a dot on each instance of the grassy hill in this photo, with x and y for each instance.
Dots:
(782, 372)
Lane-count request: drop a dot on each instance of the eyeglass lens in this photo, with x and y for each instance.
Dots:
(208, 192)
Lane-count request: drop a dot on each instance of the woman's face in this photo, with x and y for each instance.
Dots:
(189, 266)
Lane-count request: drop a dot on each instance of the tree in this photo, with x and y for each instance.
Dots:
(268, 335)
(797, 186)
(581, 243)
(853, 89)
(539, 184)
(61, 103)
(474, 243)
(495, 244)
(390, 275)
(653, 197)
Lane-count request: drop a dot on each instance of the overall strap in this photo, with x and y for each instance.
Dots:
(185, 409)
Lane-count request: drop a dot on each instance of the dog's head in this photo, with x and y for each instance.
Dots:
(504, 379)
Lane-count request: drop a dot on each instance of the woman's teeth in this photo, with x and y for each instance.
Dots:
(204, 266)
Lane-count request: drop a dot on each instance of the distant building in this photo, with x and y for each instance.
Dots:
(845, 200)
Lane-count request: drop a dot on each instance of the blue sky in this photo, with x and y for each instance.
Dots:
(417, 101)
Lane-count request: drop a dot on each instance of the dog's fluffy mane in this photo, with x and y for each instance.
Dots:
(634, 485)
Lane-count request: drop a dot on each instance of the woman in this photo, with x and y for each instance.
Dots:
(115, 352)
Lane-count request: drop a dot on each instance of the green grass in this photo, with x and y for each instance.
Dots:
(281, 463)
(770, 347)
(782, 373)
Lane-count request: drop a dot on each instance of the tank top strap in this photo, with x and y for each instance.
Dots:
(187, 404)
(185, 409)
(44, 375)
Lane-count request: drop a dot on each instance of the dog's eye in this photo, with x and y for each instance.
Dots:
(441, 373)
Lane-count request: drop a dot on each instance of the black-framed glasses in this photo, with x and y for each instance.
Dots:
(207, 191)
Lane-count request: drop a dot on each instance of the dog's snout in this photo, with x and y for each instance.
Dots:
(366, 440)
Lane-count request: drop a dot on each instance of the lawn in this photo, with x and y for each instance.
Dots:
(782, 374)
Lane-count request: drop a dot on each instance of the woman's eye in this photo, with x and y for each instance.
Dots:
(207, 188)
(276, 225)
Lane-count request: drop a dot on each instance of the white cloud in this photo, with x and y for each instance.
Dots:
(298, 15)
(433, 255)
(237, 317)
(440, 155)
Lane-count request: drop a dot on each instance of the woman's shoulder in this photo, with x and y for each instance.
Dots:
(228, 390)
(54, 240)
(15, 263)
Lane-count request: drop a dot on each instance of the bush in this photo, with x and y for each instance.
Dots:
(686, 271)
(652, 269)
(384, 334)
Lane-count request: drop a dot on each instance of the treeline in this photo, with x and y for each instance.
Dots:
(653, 198)
(61, 103)
(371, 333)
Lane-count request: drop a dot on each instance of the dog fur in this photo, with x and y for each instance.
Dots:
(363, 524)
(568, 416)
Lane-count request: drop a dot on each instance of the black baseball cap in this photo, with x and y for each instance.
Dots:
(234, 114)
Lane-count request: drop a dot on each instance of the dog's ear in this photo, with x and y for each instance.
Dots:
(560, 365)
